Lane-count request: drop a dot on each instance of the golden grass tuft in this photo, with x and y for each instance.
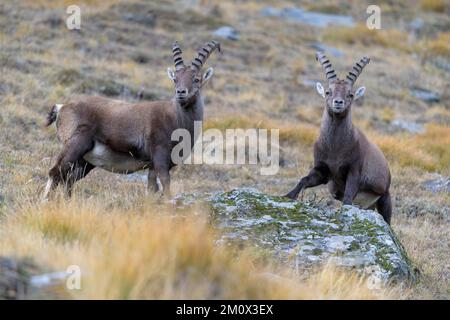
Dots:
(387, 114)
(303, 134)
(429, 151)
(387, 38)
(157, 252)
(441, 45)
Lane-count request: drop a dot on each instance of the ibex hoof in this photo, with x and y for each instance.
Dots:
(291, 196)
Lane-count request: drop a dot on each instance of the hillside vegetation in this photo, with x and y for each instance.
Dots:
(134, 246)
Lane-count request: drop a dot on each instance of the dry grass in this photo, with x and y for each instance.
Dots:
(57, 4)
(155, 252)
(429, 151)
(304, 135)
(426, 241)
(259, 82)
(361, 35)
(441, 45)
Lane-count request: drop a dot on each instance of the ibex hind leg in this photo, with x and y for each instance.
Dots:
(80, 170)
(67, 167)
(384, 207)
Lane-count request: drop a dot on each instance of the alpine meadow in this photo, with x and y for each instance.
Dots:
(224, 230)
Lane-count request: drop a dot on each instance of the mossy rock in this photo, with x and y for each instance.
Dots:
(14, 275)
(349, 237)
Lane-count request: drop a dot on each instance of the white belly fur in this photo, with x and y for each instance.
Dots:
(104, 157)
(365, 199)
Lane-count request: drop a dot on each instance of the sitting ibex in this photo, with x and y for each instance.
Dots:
(123, 137)
(354, 168)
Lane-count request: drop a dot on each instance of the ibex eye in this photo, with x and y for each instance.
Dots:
(197, 80)
(350, 95)
(328, 92)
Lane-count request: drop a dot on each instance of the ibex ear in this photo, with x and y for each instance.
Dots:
(320, 89)
(207, 75)
(359, 93)
(171, 74)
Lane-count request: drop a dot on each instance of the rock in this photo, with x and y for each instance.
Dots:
(425, 95)
(311, 18)
(309, 83)
(22, 279)
(48, 279)
(442, 63)
(227, 32)
(411, 127)
(327, 49)
(415, 28)
(416, 25)
(136, 177)
(349, 237)
(13, 278)
(437, 184)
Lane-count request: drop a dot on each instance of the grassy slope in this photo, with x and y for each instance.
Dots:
(259, 80)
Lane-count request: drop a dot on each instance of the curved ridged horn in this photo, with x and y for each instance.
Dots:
(204, 53)
(357, 69)
(177, 56)
(326, 64)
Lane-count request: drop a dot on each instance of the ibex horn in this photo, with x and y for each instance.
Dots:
(357, 69)
(326, 64)
(204, 53)
(177, 56)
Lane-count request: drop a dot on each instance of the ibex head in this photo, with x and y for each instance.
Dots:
(340, 93)
(189, 80)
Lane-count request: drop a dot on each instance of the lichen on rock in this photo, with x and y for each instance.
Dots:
(348, 237)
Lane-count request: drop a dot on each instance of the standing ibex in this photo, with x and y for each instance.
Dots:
(354, 168)
(123, 137)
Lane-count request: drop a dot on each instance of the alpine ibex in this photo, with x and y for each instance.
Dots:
(354, 168)
(124, 137)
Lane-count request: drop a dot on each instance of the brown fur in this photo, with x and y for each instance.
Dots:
(139, 132)
(345, 159)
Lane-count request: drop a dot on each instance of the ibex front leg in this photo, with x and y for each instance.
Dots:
(161, 162)
(317, 176)
(152, 181)
(351, 186)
